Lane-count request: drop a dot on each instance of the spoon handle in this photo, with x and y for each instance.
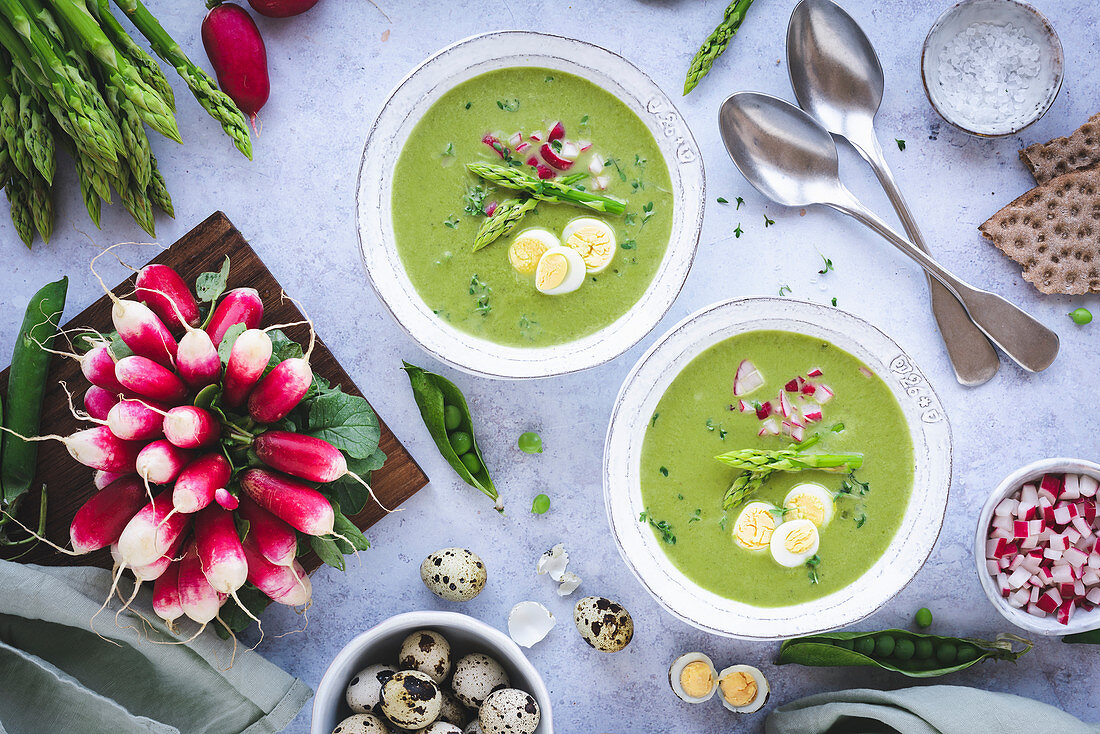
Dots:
(970, 352)
(1021, 336)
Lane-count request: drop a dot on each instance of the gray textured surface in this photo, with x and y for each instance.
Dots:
(330, 72)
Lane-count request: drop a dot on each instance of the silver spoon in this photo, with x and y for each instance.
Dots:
(791, 159)
(838, 79)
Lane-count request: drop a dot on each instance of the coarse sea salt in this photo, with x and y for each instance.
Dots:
(987, 74)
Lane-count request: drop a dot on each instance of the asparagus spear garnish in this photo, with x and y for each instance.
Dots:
(147, 67)
(716, 43)
(509, 177)
(41, 206)
(37, 135)
(213, 100)
(158, 191)
(11, 125)
(743, 487)
(504, 219)
(118, 69)
(19, 196)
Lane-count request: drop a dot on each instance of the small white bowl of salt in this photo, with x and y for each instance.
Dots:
(992, 67)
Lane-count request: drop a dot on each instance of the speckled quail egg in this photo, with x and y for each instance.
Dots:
(476, 676)
(441, 727)
(693, 677)
(509, 711)
(364, 692)
(411, 699)
(454, 711)
(603, 624)
(473, 728)
(426, 651)
(361, 724)
(744, 688)
(453, 574)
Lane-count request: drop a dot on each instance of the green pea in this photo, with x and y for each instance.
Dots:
(946, 652)
(904, 649)
(923, 649)
(470, 461)
(884, 646)
(966, 654)
(452, 417)
(923, 617)
(864, 645)
(846, 644)
(461, 442)
(1081, 316)
(530, 443)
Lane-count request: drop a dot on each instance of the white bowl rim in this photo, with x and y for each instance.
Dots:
(1048, 626)
(429, 620)
(918, 556)
(625, 332)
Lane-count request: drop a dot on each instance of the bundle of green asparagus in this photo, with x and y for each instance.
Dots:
(71, 75)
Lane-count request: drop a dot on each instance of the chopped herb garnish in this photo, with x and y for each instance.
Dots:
(528, 326)
(475, 200)
(837, 427)
(449, 150)
(812, 568)
(834, 300)
(664, 471)
(740, 201)
(721, 433)
(697, 516)
(861, 520)
(710, 424)
(647, 212)
(784, 290)
(482, 292)
(556, 145)
(628, 245)
(584, 120)
(639, 161)
(661, 526)
(722, 523)
(768, 222)
(828, 265)
(900, 142)
(737, 232)
(723, 200)
(468, 105)
(548, 79)
(653, 420)
(451, 223)
(615, 162)
(630, 219)
(679, 496)
(508, 105)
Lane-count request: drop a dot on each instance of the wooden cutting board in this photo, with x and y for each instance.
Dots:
(68, 484)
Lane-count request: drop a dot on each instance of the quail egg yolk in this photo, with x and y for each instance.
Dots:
(696, 679)
(739, 689)
(594, 240)
(525, 252)
(552, 270)
(754, 526)
(810, 502)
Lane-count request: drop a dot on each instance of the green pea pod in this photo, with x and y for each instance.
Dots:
(432, 392)
(1092, 637)
(826, 651)
(30, 366)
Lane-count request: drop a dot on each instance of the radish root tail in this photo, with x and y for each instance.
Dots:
(80, 415)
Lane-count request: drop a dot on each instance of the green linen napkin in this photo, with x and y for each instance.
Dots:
(57, 675)
(921, 710)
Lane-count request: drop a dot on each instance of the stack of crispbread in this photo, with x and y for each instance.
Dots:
(1053, 231)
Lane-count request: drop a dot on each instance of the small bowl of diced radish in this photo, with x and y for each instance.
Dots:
(1037, 547)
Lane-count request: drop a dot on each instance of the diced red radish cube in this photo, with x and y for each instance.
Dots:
(490, 208)
(1062, 515)
(1034, 609)
(1082, 526)
(1062, 573)
(1032, 541)
(991, 548)
(600, 183)
(1066, 591)
(797, 433)
(553, 158)
(1005, 507)
(792, 386)
(785, 408)
(1071, 487)
(523, 147)
(533, 162)
(570, 151)
(1049, 601)
(1072, 536)
(1093, 595)
(812, 412)
(991, 567)
(1029, 493)
(1034, 595)
(815, 372)
(1031, 563)
(808, 389)
(1020, 529)
(1018, 577)
(764, 410)
(1087, 485)
(1004, 548)
(1075, 557)
(1053, 554)
(557, 132)
(770, 427)
(1019, 598)
(1042, 492)
(1002, 584)
(1091, 577)
(584, 145)
(1065, 612)
(744, 406)
(515, 139)
(1051, 483)
(747, 378)
(1045, 575)
(595, 166)
(544, 172)
(823, 394)
(1026, 510)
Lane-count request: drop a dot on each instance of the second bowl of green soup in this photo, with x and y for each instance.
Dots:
(776, 468)
(529, 205)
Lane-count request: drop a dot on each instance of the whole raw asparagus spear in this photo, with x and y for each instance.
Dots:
(124, 75)
(10, 125)
(158, 192)
(18, 190)
(41, 206)
(86, 175)
(37, 134)
(716, 43)
(147, 66)
(136, 202)
(545, 189)
(138, 152)
(213, 100)
(759, 460)
(504, 219)
(82, 119)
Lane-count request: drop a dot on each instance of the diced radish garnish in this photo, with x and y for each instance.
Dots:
(1075, 557)
(1051, 483)
(770, 427)
(1029, 493)
(1071, 487)
(792, 386)
(570, 151)
(815, 372)
(1049, 601)
(1035, 610)
(537, 137)
(812, 412)
(1087, 485)
(602, 182)
(515, 139)
(747, 379)
(1081, 525)
(557, 132)
(544, 172)
(495, 144)
(797, 433)
(490, 208)
(1005, 507)
(808, 389)
(584, 145)
(1061, 573)
(866, 372)
(992, 567)
(1065, 612)
(823, 394)
(532, 161)
(554, 158)
(744, 406)
(1053, 554)
(595, 166)
(785, 405)
(523, 147)
(1020, 529)
(764, 410)
(1062, 515)
(1093, 595)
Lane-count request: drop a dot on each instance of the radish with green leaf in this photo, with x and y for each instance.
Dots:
(238, 306)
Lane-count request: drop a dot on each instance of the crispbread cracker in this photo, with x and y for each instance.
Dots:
(1062, 155)
(1054, 232)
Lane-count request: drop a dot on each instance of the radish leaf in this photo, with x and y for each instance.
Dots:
(210, 286)
(349, 493)
(345, 421)
(327, 551)
(230, 337)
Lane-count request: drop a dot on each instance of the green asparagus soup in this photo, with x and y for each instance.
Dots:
(787, 536)
(503, 263)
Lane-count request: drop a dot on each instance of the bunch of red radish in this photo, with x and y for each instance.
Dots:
(797, 405)
(170, 505)
(1044, 546)
(548, 152)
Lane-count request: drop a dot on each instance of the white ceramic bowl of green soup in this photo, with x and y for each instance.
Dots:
(496, 99)
(862, 401)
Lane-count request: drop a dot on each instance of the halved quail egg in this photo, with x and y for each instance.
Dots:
(361, 724)
(509, 711)
(364, 693)
(603, 624)
(411, 699)
(476, 676)
(810, 502)
(560, 270)
(794, 542)
(693, 677)
(528, 248)
(754, 526)
(593, 239)
(426, 651)
(744, 688)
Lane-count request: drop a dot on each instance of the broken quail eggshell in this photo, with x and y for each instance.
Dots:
(364, 693)
(411, 699)
(743, 688)
(454, 574)
(603, 624)
(693, 677)
(426, 651)
(361, 724)
(476, 676)
(453, 710)
(529, 622)
(553, 562)
(569, 583)
(509, 711)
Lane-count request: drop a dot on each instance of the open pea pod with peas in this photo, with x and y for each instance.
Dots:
(445, 413)
(914, 654)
